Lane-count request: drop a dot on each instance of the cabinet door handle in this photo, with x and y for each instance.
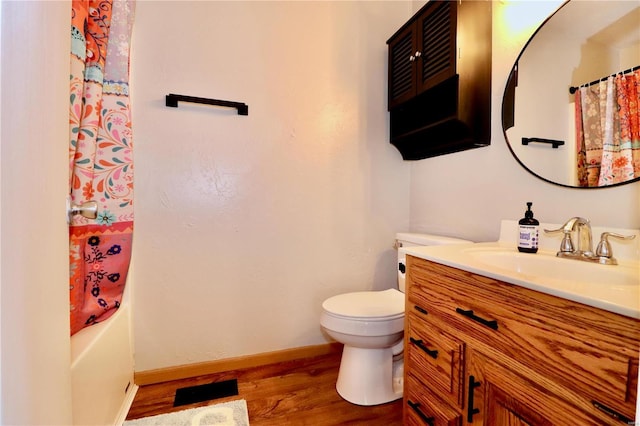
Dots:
(431, 352)
(469, 314)
(470, 410)
(416, 407)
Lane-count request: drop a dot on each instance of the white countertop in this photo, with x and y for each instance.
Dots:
(615, 288)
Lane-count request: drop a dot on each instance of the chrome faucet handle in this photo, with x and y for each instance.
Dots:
(604, 247)
(566, 246)
(553, 231)
(569, 225)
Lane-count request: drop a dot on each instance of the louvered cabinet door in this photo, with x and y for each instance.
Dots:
(402, 60)
(437, 44)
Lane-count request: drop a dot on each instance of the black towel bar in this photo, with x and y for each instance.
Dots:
(554, 143)
(172, 101)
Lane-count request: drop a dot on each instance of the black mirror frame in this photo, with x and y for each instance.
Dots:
(508, 112)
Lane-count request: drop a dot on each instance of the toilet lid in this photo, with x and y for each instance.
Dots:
(367, 304)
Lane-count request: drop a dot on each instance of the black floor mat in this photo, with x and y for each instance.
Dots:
(207, 392)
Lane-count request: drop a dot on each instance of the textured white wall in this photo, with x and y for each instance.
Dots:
(244, 225)
(35, 347)
(466, 194)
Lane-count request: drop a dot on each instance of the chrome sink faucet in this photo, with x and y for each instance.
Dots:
(585, 241)
(584, 250)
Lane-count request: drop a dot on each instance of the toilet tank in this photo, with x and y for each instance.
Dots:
(404, 239)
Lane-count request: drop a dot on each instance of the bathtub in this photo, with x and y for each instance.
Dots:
(102, 387)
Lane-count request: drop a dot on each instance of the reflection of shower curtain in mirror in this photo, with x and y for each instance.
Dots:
(581, 156)
(100, 157)
(608, 121)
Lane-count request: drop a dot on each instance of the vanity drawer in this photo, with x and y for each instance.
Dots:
(583, 348)
(438, 357)
(422, 407)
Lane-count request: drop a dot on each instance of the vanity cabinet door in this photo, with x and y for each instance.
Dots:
(501, 397)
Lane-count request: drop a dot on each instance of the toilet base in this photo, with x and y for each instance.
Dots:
(366, 376)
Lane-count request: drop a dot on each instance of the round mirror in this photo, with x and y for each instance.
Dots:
(586, 50)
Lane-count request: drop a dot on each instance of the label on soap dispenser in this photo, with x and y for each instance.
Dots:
(528, 237)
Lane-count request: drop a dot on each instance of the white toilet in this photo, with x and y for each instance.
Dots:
(370, 324)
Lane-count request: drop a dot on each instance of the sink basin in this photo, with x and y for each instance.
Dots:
(547, 265)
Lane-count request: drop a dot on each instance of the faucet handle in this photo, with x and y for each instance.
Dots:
(553, 231)
(566, 246)
(604, 247)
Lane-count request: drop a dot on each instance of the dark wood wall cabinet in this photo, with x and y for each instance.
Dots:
(440, 79)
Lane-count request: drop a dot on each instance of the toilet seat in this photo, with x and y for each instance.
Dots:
(365, 313)
(363, 319)
(366, 305)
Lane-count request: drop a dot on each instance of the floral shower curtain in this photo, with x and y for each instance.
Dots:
(608, 130)
(582, 177)
(100, 157)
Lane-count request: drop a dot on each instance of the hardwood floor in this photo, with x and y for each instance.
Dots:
(300, 392)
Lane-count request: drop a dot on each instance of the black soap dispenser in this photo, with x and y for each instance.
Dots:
(528, 232)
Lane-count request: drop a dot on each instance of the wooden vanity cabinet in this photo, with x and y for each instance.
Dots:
(507, 355)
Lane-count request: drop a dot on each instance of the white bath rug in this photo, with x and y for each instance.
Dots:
(232, 413)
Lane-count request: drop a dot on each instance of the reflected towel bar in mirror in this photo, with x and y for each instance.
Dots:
(172, 101)
(554, 143)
